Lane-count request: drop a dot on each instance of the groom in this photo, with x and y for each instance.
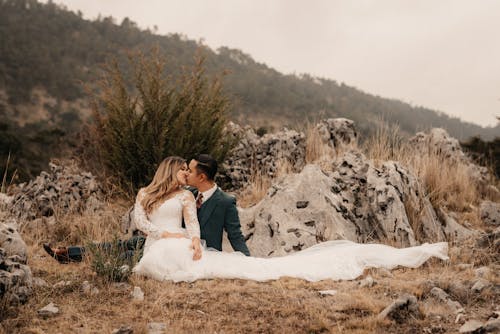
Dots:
(216, 212)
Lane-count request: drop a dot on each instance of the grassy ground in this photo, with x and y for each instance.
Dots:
(236, 306)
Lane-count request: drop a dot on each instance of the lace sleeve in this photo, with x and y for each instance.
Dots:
(189, 214)
(141, 219)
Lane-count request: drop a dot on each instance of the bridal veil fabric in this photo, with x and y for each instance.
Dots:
(171, 258)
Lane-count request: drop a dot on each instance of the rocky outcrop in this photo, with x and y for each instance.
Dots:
(16, 280)
(358, 202)
(282, 150)
(440, 142)
(265, 154)
(64, 189)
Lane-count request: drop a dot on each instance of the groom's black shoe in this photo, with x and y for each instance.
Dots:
(60, 253)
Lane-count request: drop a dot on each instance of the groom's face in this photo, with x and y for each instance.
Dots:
(194, 178)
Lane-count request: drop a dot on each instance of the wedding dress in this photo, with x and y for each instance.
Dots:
(171, 258)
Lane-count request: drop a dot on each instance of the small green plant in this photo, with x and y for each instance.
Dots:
(113, 261)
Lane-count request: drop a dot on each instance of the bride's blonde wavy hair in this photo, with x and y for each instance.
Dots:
(164, 183)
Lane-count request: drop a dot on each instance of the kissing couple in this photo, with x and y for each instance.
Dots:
(175, 220)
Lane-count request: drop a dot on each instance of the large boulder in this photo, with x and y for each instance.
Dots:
(357, 201)
(297, 213)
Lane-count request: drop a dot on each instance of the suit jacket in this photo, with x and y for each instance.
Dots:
(219, 213)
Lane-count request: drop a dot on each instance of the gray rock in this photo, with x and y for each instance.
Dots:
(471, 326)
(492, 326)
(11, 241)
(490, 213)
(49, 310)
(440, 294)
(453, 230)
(124, 329)
(16, 280)
(137, 294)
(40, 282)
(328, 292)
(480, 285)
(465, 266)
(156, 328)
(264, 154)
(439, 141)
(368, 281)
(482, 271)
(64, 189)
(337, 132)
(402, 309)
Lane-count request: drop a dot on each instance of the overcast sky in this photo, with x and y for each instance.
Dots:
(440, 54)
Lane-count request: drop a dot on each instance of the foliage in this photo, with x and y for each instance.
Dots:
(110, 261)
(136, 128)
(486, 153)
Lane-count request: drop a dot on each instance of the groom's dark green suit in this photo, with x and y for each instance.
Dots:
(216, 214)
(219, 213)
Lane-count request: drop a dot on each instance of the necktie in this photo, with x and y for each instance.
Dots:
(199, 200)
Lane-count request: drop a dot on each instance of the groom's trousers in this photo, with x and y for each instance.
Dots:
(126, 248)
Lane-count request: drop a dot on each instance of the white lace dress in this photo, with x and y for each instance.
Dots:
(171, 258)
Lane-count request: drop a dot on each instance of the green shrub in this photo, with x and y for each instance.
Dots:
(139, 122)
(111, 261)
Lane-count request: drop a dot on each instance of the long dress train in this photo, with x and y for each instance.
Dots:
(171, 258)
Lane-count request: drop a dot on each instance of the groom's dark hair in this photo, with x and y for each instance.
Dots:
(206, 165)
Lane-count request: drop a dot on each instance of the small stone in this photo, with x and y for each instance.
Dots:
(137, 294)
(471, 326)
(156, 328)
(480, 285)
(48, 311)
(465, 266)
(439, 294)
(40, 282)
(328, 292)
(384, 272)
(86, 287)
(367, 282)
(482, 272)
(62, 284)
(401, 309)
(121, 286)
(123, 330)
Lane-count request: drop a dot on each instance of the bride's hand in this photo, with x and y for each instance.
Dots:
(196, 246)
(172, 235)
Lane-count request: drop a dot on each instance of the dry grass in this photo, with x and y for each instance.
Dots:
(221, 306)
(260, 182)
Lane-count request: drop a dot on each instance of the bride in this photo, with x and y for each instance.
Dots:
(172, 252)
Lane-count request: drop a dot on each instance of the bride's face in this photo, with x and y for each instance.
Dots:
(182, 174)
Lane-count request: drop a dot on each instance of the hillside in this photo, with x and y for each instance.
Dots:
(49, 53)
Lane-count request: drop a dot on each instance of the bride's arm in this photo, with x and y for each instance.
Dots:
(191, 222)
(142, 222)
